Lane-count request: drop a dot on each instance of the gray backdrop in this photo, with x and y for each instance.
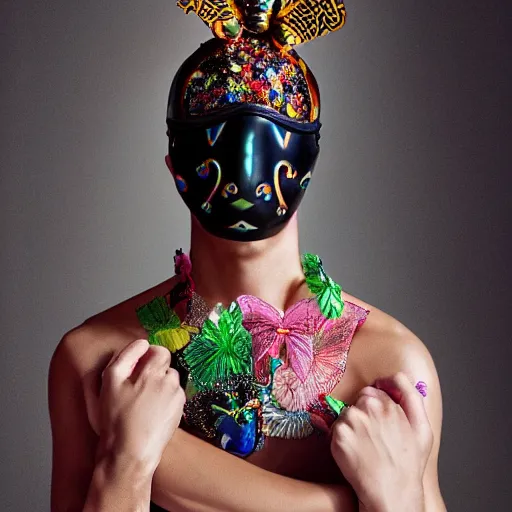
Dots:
(409, 206)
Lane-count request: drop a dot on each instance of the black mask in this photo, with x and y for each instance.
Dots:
(243, 126)
(243, 176)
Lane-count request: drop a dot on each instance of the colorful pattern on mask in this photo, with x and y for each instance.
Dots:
(250, 71)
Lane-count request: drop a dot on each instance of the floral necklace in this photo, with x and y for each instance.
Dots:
(250, 370)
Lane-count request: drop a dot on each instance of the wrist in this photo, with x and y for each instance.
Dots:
(117, 463)
(120, 466)
(409, 499)
(118, 483)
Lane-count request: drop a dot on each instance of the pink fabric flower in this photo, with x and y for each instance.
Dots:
(285, 388)
(272, 330)
(316, 348)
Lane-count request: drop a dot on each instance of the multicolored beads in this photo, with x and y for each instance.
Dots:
(249, 71)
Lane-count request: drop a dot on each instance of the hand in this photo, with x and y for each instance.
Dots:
(381, 445)
(139, 406)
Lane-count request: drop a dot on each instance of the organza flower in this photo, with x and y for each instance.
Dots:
(220, 352)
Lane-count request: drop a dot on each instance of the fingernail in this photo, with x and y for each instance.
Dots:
(422, 388)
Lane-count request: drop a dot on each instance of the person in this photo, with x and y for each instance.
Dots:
(268, 347)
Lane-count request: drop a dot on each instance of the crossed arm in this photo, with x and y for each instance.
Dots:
(192, 475)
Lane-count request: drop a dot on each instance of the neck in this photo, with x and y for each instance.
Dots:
(269, 269)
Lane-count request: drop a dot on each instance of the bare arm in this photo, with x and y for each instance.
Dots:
(192, 475)
(74, 442)
(414, 360)
(85, 476)
(388, 347)
(433, 403)
(118, 484)
(195, 476)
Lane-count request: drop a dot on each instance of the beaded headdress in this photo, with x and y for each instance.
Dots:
(250, 65)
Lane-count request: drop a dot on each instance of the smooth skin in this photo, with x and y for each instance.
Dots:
(195, 476)
(137, 384)
(385, 436)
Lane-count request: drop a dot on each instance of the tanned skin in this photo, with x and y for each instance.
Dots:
(299, 475)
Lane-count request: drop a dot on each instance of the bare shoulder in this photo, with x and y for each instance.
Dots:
(382, 347)
(91, 344)
(75, 370)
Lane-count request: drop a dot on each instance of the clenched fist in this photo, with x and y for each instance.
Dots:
(381, 445)
(140, 404)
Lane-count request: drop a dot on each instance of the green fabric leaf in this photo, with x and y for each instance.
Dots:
(157, 315)
(209, 330)
(330, 301)
(236, 313)
(328, 292)
(219, 352)
(336, 405)
(172, 339)
(312, 267)
(163, 325)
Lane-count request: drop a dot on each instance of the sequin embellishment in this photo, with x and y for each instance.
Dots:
(249, 71)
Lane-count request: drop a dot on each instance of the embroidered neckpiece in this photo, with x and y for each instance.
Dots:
(251, 370)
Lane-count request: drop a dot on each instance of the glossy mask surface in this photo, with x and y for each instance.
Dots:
(242, 178)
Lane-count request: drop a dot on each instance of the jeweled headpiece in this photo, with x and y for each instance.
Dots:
(252, 61)
(244, 73)
(289, 22)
